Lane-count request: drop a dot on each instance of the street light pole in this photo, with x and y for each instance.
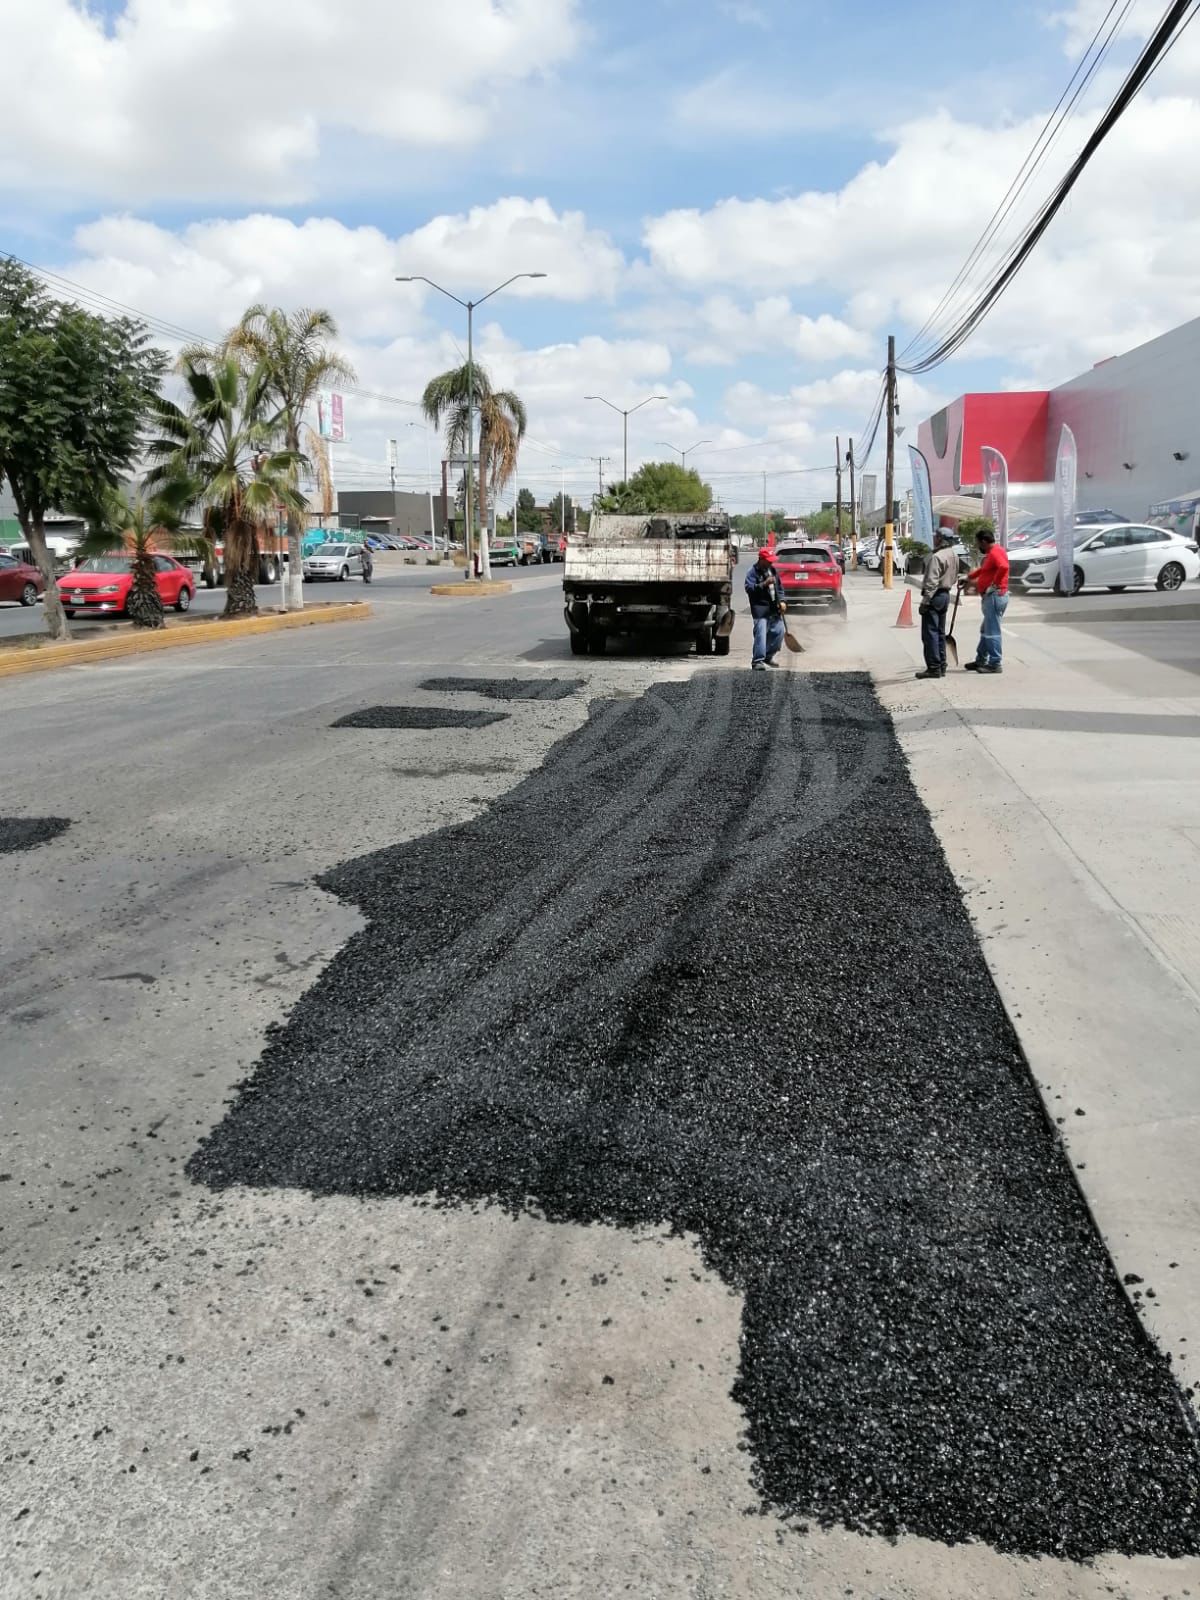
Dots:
(625, 413)
(683, 454)
(469, 305)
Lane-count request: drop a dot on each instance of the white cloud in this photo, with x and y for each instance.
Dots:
(516, 235)
(1112, 270)
(201, 277)
(238, 98)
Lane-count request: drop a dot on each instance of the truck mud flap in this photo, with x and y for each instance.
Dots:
(725, 626)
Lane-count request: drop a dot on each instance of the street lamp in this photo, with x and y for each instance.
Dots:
(417, 277)
(625, 414)
(683, 454)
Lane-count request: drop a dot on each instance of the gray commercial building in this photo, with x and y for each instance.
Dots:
(389, 511)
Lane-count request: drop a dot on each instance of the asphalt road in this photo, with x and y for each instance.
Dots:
(225, 1389)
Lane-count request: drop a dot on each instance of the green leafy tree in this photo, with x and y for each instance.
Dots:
(751, 525)
(824, 524)
(623, 499)
(969, 529)
(75, 390)
(500, 419)
(666, 486)
(529, 518)
(296, 352)
(225, 444)
(141, 529)
(560, 514)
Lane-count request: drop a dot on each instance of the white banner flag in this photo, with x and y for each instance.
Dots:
(1064, 510)
(995, 492)
(922, 499)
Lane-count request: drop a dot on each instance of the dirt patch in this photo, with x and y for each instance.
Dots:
(418, 717)
(507, 688)
(24, 833)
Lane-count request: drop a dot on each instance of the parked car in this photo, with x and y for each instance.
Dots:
(103, 583)
(335, 561)
(1122, 555)
(20, 581)
(809, 574)
(504, 552)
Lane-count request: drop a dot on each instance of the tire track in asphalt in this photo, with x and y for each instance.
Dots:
(652, 984)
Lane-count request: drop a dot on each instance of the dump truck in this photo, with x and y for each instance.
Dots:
(666, 574)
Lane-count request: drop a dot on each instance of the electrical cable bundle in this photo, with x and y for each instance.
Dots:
(1174, 20)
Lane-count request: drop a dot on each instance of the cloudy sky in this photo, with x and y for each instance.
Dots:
(734, 201)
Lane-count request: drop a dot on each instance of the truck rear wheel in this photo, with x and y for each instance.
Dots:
(598, 643)
(579, 644)
(721, 644)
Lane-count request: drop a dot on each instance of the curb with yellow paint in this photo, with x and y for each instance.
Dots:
(141, 641)
(472, 589)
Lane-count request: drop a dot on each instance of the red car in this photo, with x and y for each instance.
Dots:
(809, 572)
(103, 583)
(19, 581)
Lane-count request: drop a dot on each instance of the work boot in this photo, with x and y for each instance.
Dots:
(758, 666)
(930, 672)
(771, 662)
(973, 666)
(991, 666)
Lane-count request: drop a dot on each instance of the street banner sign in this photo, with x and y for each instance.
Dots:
(866, 494)
(995, 492)
(1064, 509)
(922, 498)
(331, 417)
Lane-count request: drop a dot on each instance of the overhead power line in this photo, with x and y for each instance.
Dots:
(1088, 65)
(1174, 20)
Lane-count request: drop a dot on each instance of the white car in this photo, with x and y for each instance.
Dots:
(335, 561)
(1116, 556)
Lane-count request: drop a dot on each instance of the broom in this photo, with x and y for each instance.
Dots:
(790, 639)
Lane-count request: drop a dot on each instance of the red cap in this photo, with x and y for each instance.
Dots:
(766, 555)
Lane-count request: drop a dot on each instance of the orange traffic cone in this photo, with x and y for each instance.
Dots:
(905, 619)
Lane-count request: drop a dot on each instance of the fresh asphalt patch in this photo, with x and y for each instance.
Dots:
(23, 833)
(507, 688)
(708, 968)
(418, 717)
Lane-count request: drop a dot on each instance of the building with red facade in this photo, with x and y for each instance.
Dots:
(1135, 417)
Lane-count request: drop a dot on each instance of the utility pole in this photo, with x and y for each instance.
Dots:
(837, 445)
(853, 514)
(765, 531)
(600, 460)
(889, 531)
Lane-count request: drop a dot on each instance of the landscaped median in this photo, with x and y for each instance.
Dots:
(472, 588)
(31, 655)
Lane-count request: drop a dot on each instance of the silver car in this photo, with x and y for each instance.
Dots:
(334, 561)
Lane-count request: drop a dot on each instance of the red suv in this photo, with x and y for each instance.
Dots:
(809, 572)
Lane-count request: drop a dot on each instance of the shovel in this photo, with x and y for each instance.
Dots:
(951, 644)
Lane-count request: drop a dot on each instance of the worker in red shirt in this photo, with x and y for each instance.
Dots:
(990, 582)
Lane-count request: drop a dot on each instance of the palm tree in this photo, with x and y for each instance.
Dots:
(225, 445)
(502, 422)
(299, 363)
(142, 528)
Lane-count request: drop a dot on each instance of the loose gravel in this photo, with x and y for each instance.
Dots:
(507, 688)
(24, 833)
(708, 968)
(418, 717)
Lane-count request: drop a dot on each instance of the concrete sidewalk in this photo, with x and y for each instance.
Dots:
(1066, 793)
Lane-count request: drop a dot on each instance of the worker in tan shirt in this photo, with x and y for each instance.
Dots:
(941, 574)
